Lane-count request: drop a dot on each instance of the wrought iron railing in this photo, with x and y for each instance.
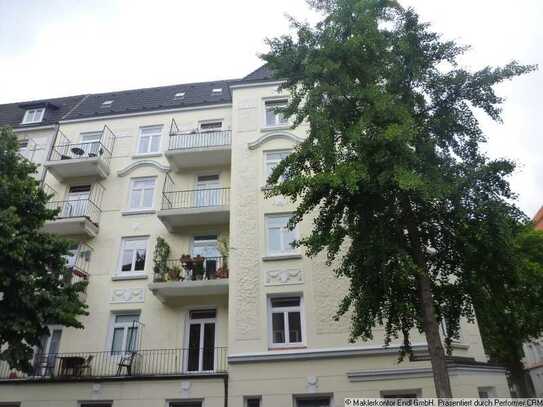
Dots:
(77, 151)
(141, 363)
(197, 139)
(193, 269)
(76, 209)
(65, 149)
(196, 198)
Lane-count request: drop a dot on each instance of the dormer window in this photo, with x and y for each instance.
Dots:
(33, 115)
(107, 103)
(216, 91)
(179, 96)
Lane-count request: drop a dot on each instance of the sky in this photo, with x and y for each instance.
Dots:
(63, 47)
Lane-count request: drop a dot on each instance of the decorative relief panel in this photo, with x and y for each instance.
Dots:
(283, 277)
(127, 295)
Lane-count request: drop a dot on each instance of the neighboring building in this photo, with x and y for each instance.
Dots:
(533, 351)
(538, 219)
(188, 163)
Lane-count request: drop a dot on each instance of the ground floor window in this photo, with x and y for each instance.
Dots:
(253, 401)
(401, 394)
(97, 404)
(185, 404)
(487, 392)
(313, 402)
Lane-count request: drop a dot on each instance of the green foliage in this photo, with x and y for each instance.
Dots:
(32, 266)
(392, 166)
(160, 258)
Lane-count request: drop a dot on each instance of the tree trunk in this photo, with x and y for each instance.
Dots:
(433, 339)
(519, 380)
(430, 324)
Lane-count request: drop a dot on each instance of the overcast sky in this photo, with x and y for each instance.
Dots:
(58, 48)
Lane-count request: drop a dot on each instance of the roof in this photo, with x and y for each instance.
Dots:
(150, 99)
(11, 114)
(130, 101)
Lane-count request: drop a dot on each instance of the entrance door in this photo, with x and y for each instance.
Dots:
(90, 143)
(207, 193)
(201, 341)
(45, 357)
(77, 202)
(207, 247)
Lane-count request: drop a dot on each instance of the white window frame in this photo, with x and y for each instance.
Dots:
(34, 115)
(268, 160)
(140, 207)
(125, 326)
(285, 311)
(201, 321)
(277, 123)
(132, 272)
(158, 133)
(284, 251)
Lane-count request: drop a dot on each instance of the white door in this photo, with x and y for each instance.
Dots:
(46, 356)
(207, 247)
(200, 354)
(90, 143)
(207, 192)
(77, 202)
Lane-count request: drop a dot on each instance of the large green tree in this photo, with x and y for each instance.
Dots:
(391, 168)
(34, 288)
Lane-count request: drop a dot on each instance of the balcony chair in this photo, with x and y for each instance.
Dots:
(126, 361)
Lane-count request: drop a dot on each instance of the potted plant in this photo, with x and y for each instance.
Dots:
(160, 259)
(174, 273)
(199, 269)
(224, 249)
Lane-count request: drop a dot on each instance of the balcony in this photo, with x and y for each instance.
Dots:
(191, 276)
(77, 263)
(193, 207)
(85, 366)
(86, 159)
(75, 217)
(196, 148)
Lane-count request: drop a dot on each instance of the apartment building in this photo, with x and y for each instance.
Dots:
(195, 296)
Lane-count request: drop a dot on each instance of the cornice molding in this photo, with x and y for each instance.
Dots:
(142, 163)
(272, 136)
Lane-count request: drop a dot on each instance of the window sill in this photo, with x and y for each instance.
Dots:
(273, 128)
(120, 277)
(131, 212)
(282, 257)
(147, 155)
(286, 347)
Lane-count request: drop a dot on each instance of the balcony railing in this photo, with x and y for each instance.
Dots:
(76, 209)
(79, 151)
(142, 363)
(196, 198)
(197, 139)
(193, 269)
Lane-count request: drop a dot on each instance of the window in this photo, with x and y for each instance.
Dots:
(149, 141)
(285, 315)
(133, 253)
(124, 332)
(274, 118)
(201, 340)
(90, 143)
(33, 116)
(96, 404)
(252, 401)
(279, 238)
(272, 159)
(486, 392)
(216, 91)
(313, 402)
(211, 126)
(185, 404)
(400, 395)
(106, 103)
(179, 95)
(142, 192)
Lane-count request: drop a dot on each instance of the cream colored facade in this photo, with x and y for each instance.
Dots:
(324, 364)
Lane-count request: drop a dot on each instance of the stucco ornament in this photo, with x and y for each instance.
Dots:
(127, 295)
(312, 384)
(285, 135)
(142, 163)
(284, 277)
